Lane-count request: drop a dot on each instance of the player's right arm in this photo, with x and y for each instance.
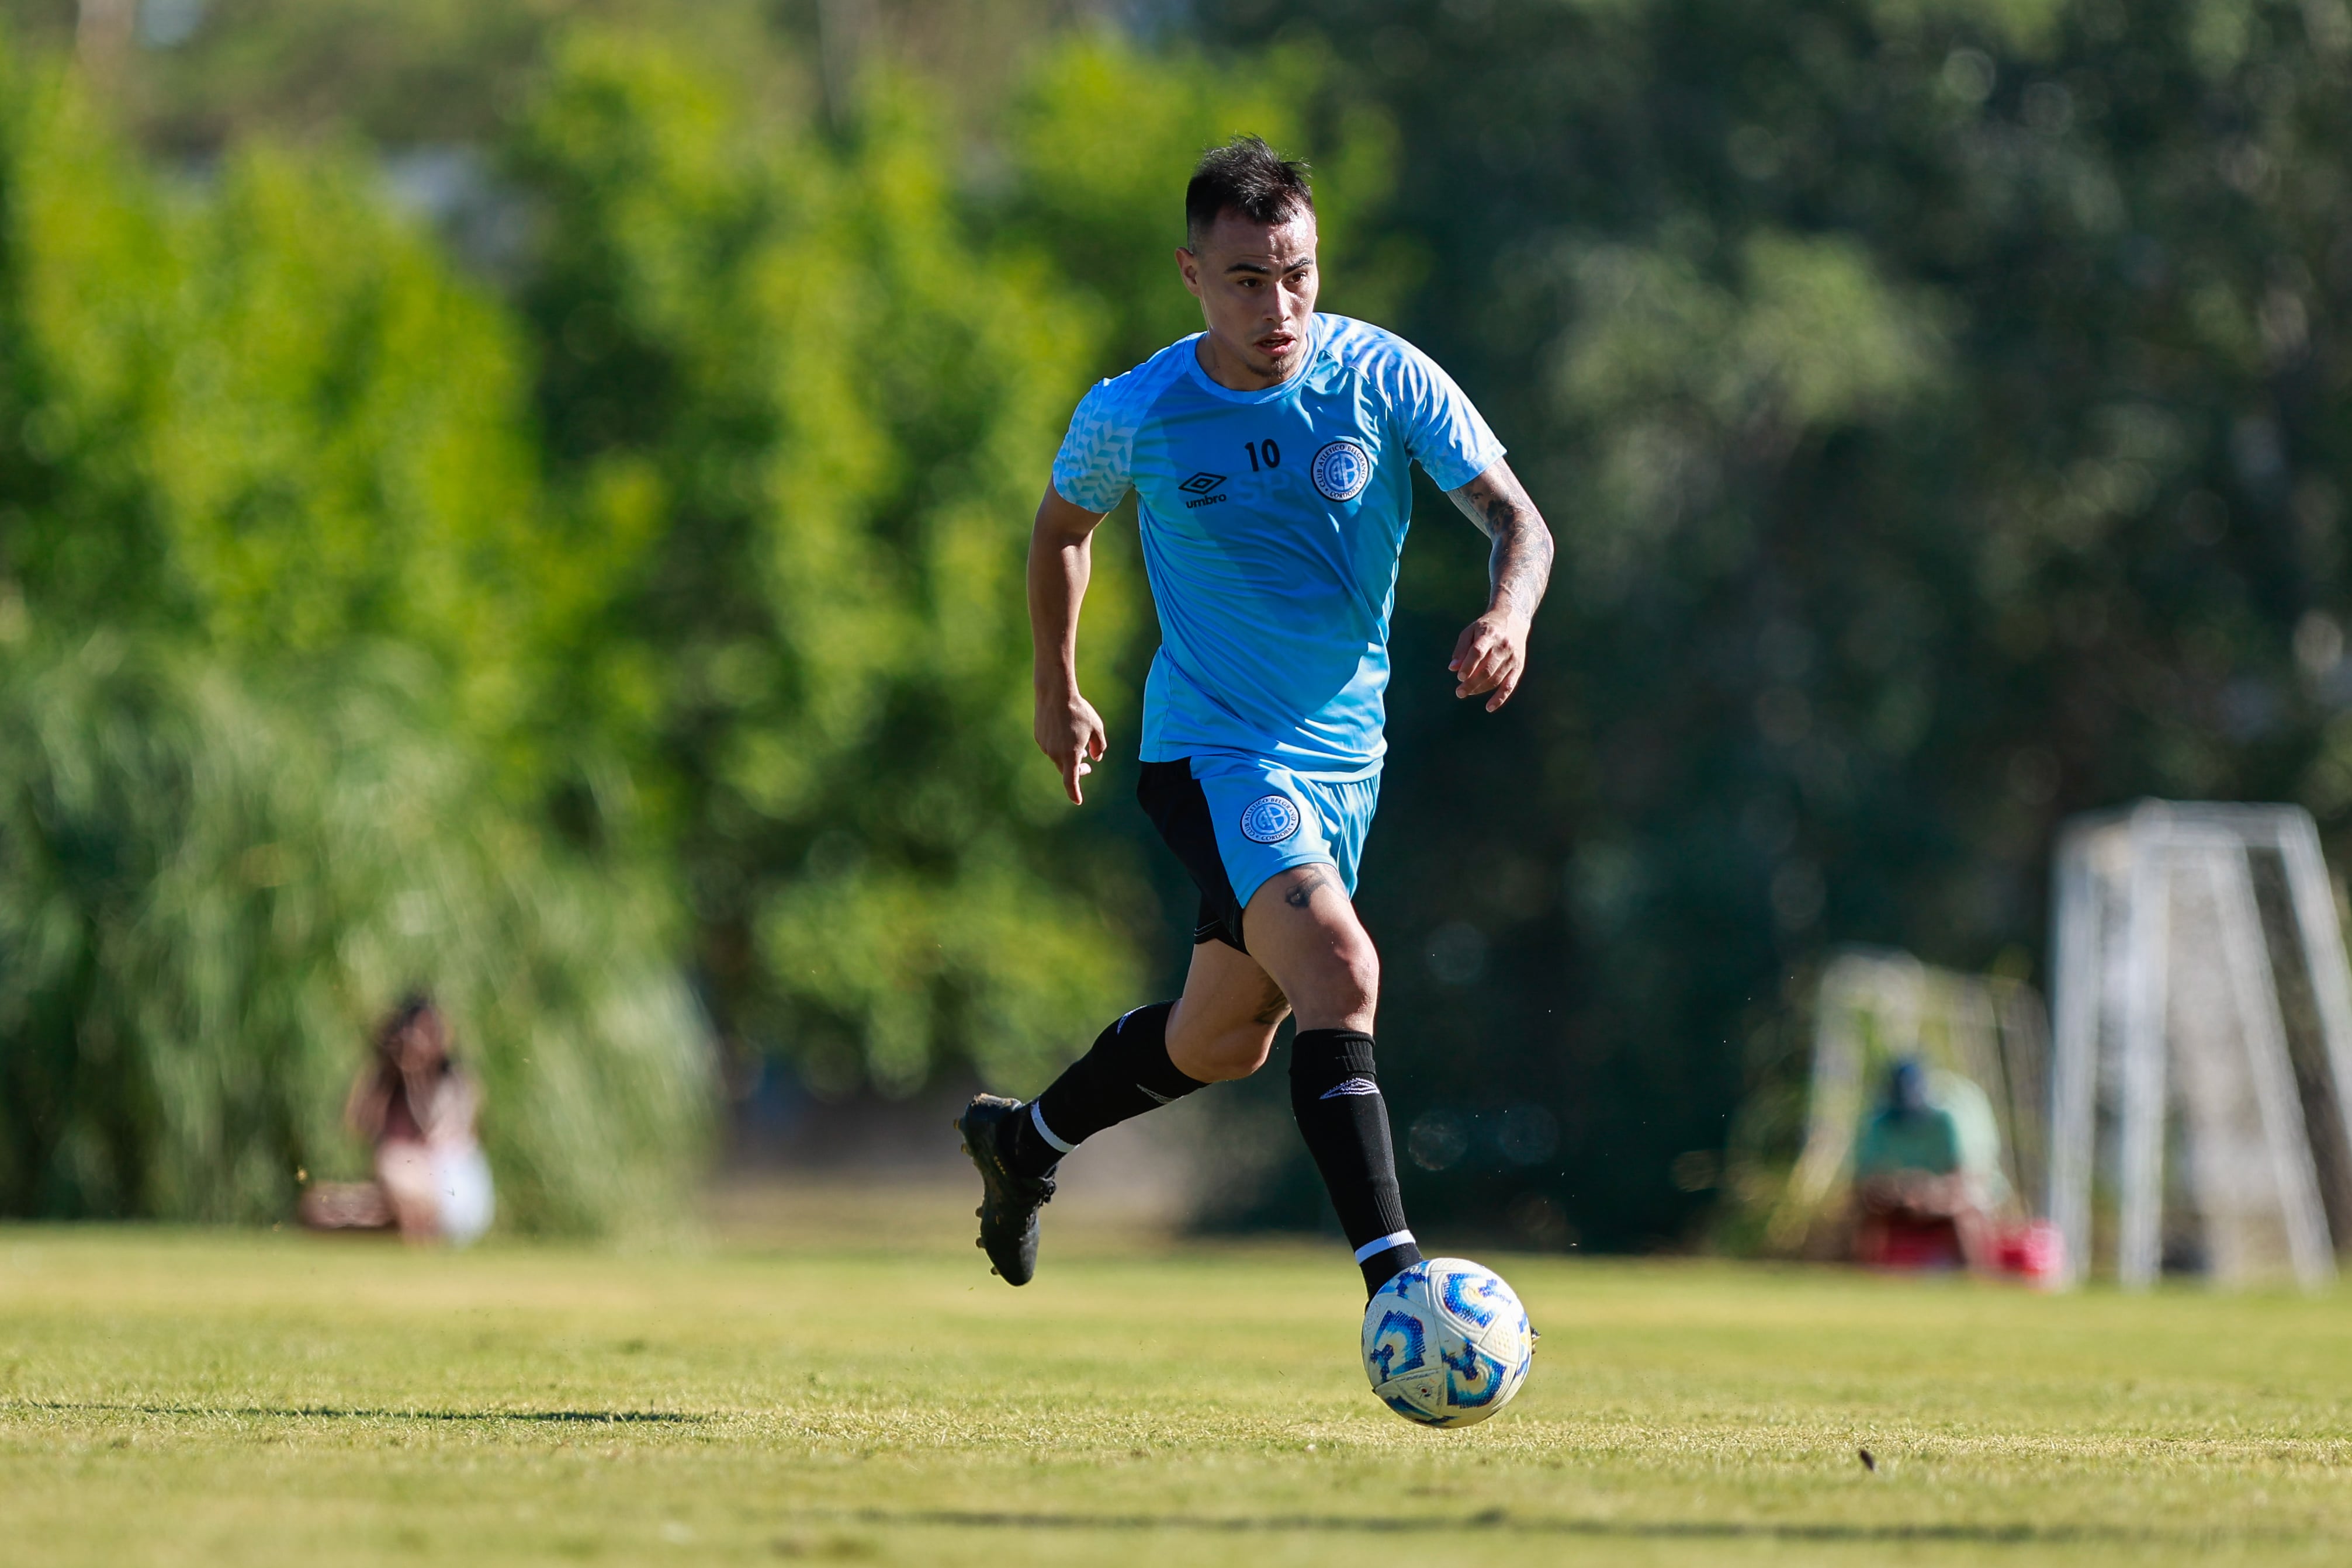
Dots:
(1491, 654)
(1061, 559)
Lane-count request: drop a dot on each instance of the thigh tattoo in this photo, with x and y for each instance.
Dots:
(1315, 881)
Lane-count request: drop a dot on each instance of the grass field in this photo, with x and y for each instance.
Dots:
(174, 1397)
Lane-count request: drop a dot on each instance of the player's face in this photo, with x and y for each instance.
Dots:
(1256, 284)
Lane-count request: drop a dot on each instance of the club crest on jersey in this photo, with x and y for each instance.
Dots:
(1269, 820)
(1341, 470)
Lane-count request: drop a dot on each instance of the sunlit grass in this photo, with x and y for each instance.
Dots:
(192, 1397)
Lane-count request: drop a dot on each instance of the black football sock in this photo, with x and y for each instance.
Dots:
(1336, 1099)
(1125, 1073)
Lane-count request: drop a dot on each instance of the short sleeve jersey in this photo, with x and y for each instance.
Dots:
(1272, 523)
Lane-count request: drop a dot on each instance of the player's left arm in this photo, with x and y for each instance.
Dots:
(1491, 654)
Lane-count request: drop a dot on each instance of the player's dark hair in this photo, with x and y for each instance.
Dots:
(1250, 177)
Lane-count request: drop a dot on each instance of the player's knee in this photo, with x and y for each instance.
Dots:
(1344, 993)
(1359, 973)
(1235, 1053)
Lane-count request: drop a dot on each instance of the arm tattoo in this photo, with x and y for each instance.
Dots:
(1519, 567)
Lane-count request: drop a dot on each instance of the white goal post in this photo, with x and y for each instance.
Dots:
(2202, 1047)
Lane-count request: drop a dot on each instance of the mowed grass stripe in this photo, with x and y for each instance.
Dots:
(186, 1397)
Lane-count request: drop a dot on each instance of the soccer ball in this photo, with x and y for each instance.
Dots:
(1446, 1343)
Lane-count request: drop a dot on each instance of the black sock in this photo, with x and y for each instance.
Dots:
(1345, 1125)
(1125, 1073)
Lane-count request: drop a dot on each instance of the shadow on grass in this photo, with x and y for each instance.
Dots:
(334, 1413)
(1500, 1520)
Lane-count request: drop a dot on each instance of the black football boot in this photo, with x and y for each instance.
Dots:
(1008, 1201)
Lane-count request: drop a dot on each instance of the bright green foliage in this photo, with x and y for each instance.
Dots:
(86, 281)
(336, 452)
(270, 417)
(817, 411)
(271, 1400)
(1102, 136)
(264, 430)
(206, 897)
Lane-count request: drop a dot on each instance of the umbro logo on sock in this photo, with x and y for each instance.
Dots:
(1347, 1086)
(1155, 1097)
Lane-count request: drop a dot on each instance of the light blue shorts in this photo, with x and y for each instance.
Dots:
(1237, 821)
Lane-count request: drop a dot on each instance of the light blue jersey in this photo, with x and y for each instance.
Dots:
(1272, 522)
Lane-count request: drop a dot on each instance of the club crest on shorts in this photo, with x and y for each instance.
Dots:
(1269, 820)
(1341, 471)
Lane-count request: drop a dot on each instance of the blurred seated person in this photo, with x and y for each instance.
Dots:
(416, 1104)
(1926, 1172)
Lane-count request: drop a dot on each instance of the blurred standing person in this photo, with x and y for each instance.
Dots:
(1913, 1174)
(1273, 455)
(416, 1105)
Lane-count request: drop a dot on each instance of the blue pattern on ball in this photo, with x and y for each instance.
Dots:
(1482, 1388)
(1455, 1284)
(1411, 1412)
(1398, 1332)
(1410, 1274)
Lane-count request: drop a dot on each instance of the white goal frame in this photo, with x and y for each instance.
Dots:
(2156, 1021)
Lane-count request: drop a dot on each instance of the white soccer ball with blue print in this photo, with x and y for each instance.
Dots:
(1446, 1343)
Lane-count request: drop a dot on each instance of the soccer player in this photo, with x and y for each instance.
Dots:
(1272, 457)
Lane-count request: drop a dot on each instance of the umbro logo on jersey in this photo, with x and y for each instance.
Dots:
(1198, 487)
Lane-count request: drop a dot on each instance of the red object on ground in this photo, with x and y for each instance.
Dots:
(2035, 1252)
(1900, 1242)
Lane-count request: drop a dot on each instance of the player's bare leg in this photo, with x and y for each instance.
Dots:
(1221, 1028)
(1302, 929)
(1308, 949)
(1224, 1024)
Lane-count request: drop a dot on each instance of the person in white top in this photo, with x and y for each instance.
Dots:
(417, 1104)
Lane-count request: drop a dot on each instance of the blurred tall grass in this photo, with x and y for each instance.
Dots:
(210, 887)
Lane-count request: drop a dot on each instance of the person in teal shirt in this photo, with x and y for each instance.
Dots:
(1913, 1168)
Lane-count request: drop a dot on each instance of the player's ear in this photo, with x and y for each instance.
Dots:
(1188, 266)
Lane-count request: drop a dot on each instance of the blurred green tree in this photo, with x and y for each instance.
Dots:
(1100, 138)
(270, 418)
(791, 379)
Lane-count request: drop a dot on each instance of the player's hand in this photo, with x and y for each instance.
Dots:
(1491, 656)
(1070, 731)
